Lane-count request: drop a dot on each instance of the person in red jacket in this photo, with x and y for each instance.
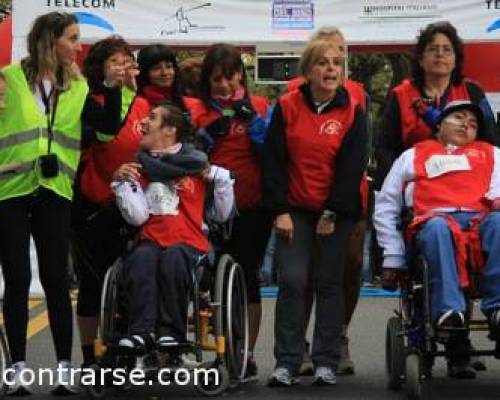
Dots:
(232, 126)
(451, 182)
(414, 105)
(164, 193)
(100, 234)
(313, 160)
(354, 261)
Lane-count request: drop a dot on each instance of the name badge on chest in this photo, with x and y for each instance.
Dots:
(162, 199)
(438, 165)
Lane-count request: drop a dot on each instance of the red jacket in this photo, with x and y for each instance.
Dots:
(235, 152)
(441, 191)
(313, 141)
(413, 128)
(186, 226)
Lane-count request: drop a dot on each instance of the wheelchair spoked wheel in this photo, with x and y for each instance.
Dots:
(4, 361)
(109, 306)
(232, 320)
(237, 334)
(394, 353)
(414, 383)
(214, 384)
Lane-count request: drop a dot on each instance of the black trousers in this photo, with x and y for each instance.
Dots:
(99, 235)
(46, 216)
(158, 283)
(251, 231)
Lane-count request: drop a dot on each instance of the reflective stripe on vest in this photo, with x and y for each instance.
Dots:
(24, 137)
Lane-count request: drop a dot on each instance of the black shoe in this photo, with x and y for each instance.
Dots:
(461, 370)
(140, 343)
(451, 319)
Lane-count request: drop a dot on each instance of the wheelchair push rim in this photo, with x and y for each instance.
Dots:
(232, 316)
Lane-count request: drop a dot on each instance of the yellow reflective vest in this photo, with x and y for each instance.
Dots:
(24, 137)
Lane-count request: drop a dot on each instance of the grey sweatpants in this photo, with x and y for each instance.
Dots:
(326, 255)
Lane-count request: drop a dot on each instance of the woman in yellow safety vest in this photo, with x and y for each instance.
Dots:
(40, 134)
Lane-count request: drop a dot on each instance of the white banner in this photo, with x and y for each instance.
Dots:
(253, 21)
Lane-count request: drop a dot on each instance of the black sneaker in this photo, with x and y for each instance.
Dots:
(139, 343)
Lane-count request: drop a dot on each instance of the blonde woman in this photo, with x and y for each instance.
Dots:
(39, 150)
(313, 160)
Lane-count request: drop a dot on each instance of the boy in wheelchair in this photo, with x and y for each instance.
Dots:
(452, 183)
(170, 210)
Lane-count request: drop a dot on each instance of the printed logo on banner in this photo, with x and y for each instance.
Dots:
(408, 10)
(293, 14)
(493, 5)
(184, 20)
(85, 18)
(102, 4)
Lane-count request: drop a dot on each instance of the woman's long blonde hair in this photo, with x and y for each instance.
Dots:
(42, 58)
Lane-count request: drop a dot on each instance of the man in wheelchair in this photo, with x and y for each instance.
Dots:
(164, 193)
(452, 184)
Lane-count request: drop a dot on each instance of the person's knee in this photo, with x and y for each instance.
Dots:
(434, 226)
(292, 283)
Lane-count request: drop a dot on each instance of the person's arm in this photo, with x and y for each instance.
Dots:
(275, 165)
(350, 164)
(477, 96)
(223, 206)
(388, 207)
(103, 118)
(494, 189)
(131, 202)
(389, 142)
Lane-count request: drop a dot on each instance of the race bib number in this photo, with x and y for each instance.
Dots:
(162, 199)
(438, 165)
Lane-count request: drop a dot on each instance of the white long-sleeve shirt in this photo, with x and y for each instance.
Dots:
(389, 203)
(136, 209)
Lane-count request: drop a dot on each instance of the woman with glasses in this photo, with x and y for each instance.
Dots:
(414, 105)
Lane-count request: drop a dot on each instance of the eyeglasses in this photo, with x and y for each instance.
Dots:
(446, 51)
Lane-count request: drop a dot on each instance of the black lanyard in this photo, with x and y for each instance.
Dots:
(49, 113)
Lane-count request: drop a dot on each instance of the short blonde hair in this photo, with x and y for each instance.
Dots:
(313, 52)
(326, 32)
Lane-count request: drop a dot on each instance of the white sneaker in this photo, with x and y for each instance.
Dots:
(324, 376)
(17, 388)
(282, 377)
(63, 385)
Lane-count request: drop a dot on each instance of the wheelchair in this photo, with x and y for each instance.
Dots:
(218, 323)
(412, 338)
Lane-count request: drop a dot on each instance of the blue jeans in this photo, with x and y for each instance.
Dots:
(436, 243)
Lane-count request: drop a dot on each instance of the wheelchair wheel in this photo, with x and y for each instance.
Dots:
(4, 361)
(109, 304)
(214, 385)
(394, 353)
(413, 377)
(233, 320)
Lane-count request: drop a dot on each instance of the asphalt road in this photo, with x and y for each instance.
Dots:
(367, 347)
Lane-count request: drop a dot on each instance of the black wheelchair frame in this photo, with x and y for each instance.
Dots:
(412, 339)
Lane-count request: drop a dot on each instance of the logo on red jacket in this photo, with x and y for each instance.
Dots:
(330, 127)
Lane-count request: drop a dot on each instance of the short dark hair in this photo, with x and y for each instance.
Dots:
(425, 37)
(178, 118)
(93, 66)
(228, 59)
